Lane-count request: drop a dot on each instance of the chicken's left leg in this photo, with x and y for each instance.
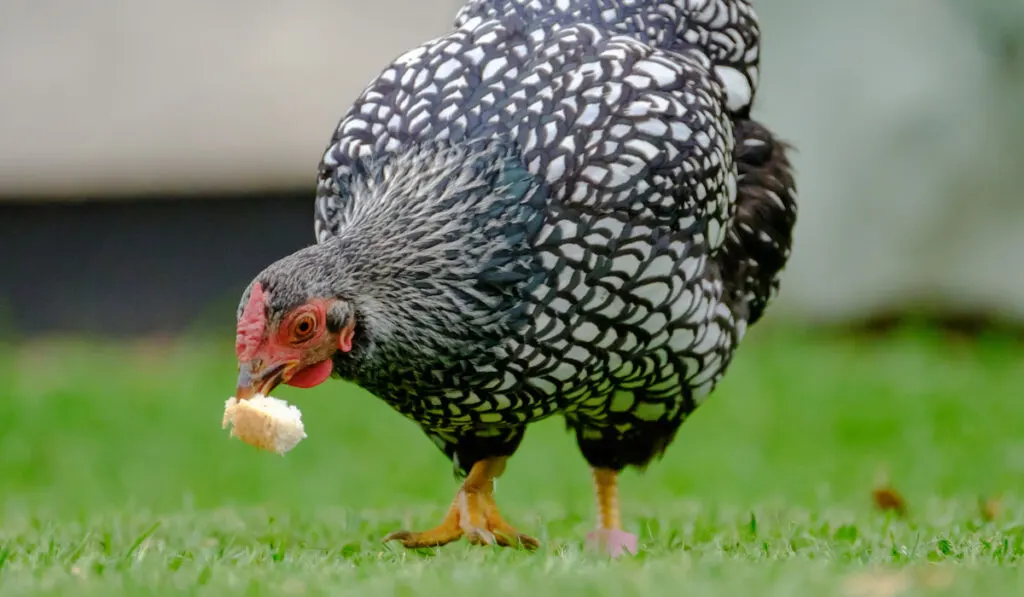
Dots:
(609, 536)
(473, 513)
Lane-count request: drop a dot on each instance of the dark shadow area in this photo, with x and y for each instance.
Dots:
(141, 265)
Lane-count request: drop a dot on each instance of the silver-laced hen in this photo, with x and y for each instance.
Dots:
(560, 207)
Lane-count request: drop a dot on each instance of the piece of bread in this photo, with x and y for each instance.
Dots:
(264, 422)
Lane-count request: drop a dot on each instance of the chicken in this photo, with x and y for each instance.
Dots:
(560, 207)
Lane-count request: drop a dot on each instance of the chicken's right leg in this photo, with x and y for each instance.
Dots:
(449, 530)
(473, 513)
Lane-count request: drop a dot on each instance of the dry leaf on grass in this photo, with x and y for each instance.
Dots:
(990, 508)
(888, 499)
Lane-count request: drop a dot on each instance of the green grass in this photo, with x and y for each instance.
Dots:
(116, 478)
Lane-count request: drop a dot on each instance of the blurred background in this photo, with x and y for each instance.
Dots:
(155, 155)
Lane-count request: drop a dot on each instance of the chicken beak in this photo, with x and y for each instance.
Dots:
(252, 383)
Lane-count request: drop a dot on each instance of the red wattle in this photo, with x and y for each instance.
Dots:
(313, 375)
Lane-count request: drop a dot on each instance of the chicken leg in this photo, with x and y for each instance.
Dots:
(609, 536)
(473, 513)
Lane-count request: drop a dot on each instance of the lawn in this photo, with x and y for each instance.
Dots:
(116, 478)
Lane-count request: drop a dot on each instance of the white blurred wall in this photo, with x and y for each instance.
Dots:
(107, 96)
(911, 137)
(910, 129)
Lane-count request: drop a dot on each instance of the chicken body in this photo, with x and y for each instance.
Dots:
(561, 207)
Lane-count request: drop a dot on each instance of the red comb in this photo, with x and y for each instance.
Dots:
(251, 325)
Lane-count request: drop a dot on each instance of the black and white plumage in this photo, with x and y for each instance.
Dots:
(562, 206)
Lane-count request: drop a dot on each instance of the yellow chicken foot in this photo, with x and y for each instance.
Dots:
(609, 537)
(473, 513)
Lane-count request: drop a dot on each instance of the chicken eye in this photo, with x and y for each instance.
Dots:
(303, 327)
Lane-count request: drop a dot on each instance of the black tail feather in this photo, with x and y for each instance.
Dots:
(761, 234)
